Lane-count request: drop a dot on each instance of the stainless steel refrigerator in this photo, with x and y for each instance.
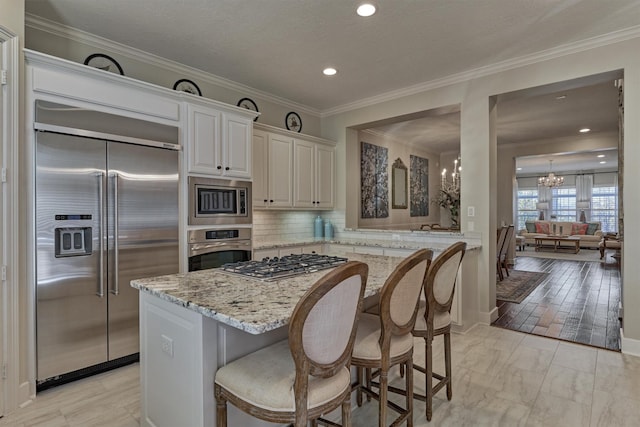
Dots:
(106, 212)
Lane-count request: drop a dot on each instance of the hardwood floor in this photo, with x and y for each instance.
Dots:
(578, 302)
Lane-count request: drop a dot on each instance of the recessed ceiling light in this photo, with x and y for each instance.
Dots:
(600, 156)
(603, 162)
(584, 130)
(329, 71)
(366, 9)
(561, 97)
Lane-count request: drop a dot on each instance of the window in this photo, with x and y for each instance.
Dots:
(527, 200)
(604, 207)
(563, 204)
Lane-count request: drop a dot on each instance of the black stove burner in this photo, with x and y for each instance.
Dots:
(290, 265)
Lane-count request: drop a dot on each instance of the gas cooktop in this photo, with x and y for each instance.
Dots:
(286, 266)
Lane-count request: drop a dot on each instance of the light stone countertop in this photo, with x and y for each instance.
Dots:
(251, 305)
(438, 246)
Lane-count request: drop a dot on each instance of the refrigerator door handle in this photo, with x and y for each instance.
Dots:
(116, 288)
(100, 176)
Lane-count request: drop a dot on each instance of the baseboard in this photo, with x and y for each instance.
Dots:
(629, 345)
(488, 317)
(24, 394)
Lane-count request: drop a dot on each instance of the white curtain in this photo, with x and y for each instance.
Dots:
(584, 186)
(544, 194)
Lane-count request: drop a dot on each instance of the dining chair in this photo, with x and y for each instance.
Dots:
(502, 236)
(502, 259)
(384, 340)
(299, 379)
(434, 318)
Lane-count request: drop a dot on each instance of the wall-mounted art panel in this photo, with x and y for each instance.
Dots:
(419, 186)
(374, 181)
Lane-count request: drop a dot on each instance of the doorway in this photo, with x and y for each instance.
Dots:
(582, 140)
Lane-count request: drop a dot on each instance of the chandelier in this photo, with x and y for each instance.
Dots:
(452, 186)
(551, 180)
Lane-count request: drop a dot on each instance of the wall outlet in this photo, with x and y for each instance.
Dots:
(166, 344)
(471, 211)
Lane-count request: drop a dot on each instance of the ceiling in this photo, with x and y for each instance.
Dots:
(281, 46)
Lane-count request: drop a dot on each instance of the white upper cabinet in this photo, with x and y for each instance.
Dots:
(314, 166)
(304, 174)
(219, 143)
(273, 164)
(325, 161)
(203, 134)
(236, 151)
(260, 186)
(292, 171)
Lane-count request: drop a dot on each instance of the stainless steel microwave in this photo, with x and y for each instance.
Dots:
(219, 201)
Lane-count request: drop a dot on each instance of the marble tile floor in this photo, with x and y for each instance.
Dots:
(501, 378)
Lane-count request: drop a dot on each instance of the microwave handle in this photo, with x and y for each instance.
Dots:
(203, 248)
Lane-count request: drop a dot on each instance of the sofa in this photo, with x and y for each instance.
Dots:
(589, 233)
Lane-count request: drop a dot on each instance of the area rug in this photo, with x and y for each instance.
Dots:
(592, 255)
(518, 285)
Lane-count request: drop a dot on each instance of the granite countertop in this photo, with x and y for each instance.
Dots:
(251, 305)
(438, 246)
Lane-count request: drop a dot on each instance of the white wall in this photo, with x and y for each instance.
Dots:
(479, 151)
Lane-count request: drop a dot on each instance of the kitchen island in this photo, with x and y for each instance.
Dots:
(193, 323)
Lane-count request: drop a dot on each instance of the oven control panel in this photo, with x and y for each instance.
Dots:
(228, 234)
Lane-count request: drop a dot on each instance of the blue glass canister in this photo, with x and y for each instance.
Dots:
(328, 230)
(317, 227)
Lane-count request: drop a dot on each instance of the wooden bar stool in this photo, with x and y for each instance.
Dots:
(299, 379)
(384, 340)
(434, 318)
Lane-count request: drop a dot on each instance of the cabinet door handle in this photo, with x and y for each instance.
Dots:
(265, 200)
(270, 201)
(227, 168)
(219, 167)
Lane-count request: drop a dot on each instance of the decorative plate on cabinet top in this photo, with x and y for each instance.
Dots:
(104, 62)
(293, 122)
(186, 85)
(249, 105)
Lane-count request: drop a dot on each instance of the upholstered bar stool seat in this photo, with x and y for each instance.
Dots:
(440, 320)
(367, 345)
(274, 391)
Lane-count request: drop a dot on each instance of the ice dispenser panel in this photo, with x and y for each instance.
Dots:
(73, 241)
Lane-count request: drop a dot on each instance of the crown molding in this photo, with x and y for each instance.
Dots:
(60, 30)
(545, 55)
(38, 23)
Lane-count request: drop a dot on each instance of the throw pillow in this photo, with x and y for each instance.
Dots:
(542, 227)
(592, 228)
(578, 229)
(531, 227)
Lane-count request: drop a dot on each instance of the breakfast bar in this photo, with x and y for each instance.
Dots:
(193, 323)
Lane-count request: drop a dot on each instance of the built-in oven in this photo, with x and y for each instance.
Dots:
(212, 248)
(219, 201)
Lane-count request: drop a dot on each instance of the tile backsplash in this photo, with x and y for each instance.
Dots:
(292, 224)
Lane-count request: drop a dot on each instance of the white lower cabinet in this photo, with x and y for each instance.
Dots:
(180, 352)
